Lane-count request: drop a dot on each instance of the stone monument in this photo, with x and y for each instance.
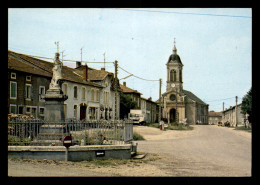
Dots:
(53, 130)
(54, 98)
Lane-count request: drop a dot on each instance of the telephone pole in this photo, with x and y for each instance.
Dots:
(104, 60)
(236, 112)
(116, 93)
(160, 87)
(81, 54)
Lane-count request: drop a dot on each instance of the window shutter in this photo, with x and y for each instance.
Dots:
(31, 92)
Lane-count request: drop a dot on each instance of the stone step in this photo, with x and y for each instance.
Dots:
(49, 136)
(52, 129)
(47, 143)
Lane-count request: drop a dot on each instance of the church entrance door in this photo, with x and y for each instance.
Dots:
(172, 115)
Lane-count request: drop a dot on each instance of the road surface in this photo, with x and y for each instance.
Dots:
(208, 150)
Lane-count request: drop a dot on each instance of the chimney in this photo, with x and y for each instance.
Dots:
(124, 83)
(85, 72)
(78, 64)
(103, 69)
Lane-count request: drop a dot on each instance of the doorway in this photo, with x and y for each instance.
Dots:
(83, 109)
(172, 115)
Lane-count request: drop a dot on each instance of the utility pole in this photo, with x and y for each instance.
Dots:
(81, 54)
(223, 115)
(62, 56)
(116, 93)
(104, 60)
(236, 112)
(160, 87)
(57, 43)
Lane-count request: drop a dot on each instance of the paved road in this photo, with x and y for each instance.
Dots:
(208, 150)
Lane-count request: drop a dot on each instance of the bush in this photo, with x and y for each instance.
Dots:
(137, 137)
(178, 126)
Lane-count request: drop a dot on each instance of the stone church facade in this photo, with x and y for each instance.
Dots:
(178, 104)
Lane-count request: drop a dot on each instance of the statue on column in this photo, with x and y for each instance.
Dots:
(57, 75)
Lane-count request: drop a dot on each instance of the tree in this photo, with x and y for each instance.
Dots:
(126, 103)
(247, 105)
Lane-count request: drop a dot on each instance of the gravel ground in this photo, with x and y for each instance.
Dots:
(207, 150)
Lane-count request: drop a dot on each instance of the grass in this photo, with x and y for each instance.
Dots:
(137, 137)
(97, 163)
(155, 125)
(171, 126)
(248, 129)
(178, 126)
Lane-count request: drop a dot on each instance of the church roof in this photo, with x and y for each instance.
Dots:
(193, 97)
(174, 57)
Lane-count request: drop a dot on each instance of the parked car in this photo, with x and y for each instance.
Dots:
(220, 123)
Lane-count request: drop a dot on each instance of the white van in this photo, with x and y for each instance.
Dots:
(137, 116)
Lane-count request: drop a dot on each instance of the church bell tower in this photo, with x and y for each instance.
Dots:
(174, 71)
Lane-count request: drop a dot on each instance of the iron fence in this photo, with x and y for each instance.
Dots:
(40, 132)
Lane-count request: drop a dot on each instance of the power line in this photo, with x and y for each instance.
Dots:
(136, 76)
(66, 60)
(157, 11)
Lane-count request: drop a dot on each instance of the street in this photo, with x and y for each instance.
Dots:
(207, 150)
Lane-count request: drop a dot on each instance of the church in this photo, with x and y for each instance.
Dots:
(179, 105)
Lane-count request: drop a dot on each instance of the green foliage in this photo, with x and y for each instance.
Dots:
(247, 105)
(155, 125)
(137, 137)
(178, 126)
(126, 103)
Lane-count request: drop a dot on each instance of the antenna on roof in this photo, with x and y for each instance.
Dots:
(104, 60)
(57, 43)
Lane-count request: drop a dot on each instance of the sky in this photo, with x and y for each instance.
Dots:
(214, 44)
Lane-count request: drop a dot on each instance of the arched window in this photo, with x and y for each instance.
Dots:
(172, 75)
(180, 75)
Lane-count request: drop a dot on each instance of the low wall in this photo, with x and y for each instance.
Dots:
(75, 153)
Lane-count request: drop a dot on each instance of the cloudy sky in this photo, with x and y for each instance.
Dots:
(215, 45)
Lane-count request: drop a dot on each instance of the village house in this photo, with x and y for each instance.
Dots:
(179, 104)
(233, 115)
(215, 117)
(29, 79)
(134, 94)
(107, 107)
(148, 107)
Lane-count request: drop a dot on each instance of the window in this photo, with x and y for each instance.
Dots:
(28, 91)
(41, 111)
(28, 110)
(20, 109)
(13, 90)
(28, 78)
(83, 91)
(34, 109)
(12, 108)
(92, 94)
(13, 75)
(97, 95)
(180, 75)
(64, 89)
(172, 75)
(41, 93)
(75, 111)
(75, 92)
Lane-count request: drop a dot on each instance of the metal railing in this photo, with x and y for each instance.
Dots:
(40, 132)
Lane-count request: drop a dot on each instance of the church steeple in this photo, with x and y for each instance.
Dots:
(174, 50)
(174, 71)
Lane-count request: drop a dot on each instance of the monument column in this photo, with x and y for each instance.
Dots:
(54, 98)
